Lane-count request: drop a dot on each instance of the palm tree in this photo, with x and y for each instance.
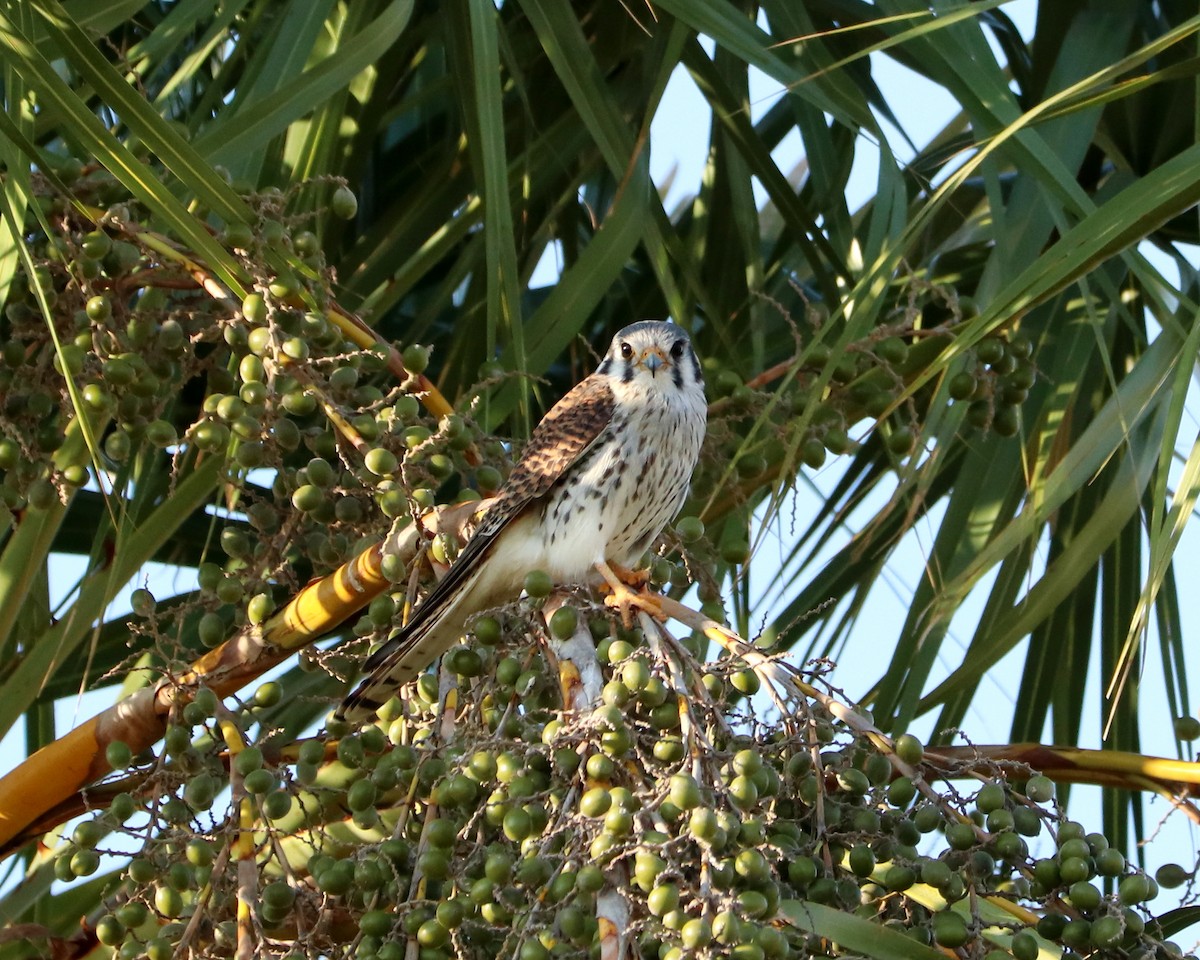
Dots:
(268, 274)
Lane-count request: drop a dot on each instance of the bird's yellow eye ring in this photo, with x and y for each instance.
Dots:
(626, 351)
(677, 349)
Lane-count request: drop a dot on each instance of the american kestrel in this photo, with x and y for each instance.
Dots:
(607, 468)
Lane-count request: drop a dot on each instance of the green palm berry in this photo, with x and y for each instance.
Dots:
(752, 865)
(703, 824)
(308, 498)
(284, 285)
(745, 681)
(753, 904)
(900, 440)
(663, 899)
(211, 436)
(1107, 932)
(1172, 875)
(337, 878)
(990, 351)
(344, 203)
(278, 895)
(254, 308)
(1024, 946)
(538, 584)
(98, 309)
(862, 860)
(743, 792)
(239, 235)
(689, 529)
(168, 901)
(381, 462)
(949, 929)
(853, 781)
(10, 454)
(1074, 869)
(595, 802)
(696, 934)
(647, 867)
(200, 791)
(1040, 789)
(248, 760)
(590, 879)
(75, 475)
(899, 878)
(517, 824)
(96, 245)
(118, 755)
(251, 369)
(990, 797)
(909, 749)
(616, 694)
(564, 622)
(277, 805)
(211, 629)
(812, 452)
(259, 341)
(961, 386)
(87, 834)
(685, 792)
(533, 950)
(416, 358)
(142, 601)
(441, 466)
(161, 433)
(617, 742)
(836, 440)
(230, 590)
(251, 454)
(132, 913)
(960, 836)
(1134, 889)
(1187, 728)
(1110, 862)
(259, 607)
(361, 795)
(901, 791)
(498, 866)
(1007, 420)
(1084, 895)
(1077, 934)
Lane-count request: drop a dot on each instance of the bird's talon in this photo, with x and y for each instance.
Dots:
(631, 578)
(626, 600)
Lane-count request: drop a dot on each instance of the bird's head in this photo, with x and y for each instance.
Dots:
(654, 354)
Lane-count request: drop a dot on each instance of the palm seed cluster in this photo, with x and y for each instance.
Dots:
(501, 830)
(485, 813)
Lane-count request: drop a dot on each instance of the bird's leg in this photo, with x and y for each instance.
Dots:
(625, 597)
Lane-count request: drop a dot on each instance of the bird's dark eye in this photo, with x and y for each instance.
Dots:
(626, 351)
(677, 348)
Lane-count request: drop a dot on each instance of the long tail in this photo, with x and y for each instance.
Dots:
(435, 626)
(470, 585)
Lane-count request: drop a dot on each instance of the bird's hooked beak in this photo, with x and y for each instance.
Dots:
(652, 358)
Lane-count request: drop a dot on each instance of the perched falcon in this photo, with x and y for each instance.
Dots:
(606, 469)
